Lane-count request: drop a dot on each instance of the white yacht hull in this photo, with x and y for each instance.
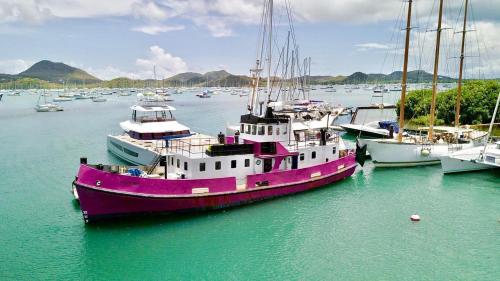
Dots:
(136, 154)
(389, 153)
(468, 160)
(456, 165)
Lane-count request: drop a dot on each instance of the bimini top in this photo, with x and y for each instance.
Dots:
(153, 127)
(152, 108)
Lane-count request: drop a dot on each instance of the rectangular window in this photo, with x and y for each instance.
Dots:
(270, 130)
(277, 131)
(284, 131)
(202, 167)
(217, 165)
(254, 129)
(130, 152)
(261, 130)
(334, 150)
(171, 161)
(302, 157)
(247, 162)
(178, 163)
(233, 164)
(313, 155)
(185, 166)
(242, 128)
(248, 129)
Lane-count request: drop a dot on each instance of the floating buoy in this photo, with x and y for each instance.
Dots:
(415, 217)
(425, 152)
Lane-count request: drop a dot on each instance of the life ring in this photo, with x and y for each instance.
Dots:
(257, 162)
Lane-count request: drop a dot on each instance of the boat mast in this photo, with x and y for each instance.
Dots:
(491, 124)
(462, 55)
(405, 75)
(435, 76)
(269, 50)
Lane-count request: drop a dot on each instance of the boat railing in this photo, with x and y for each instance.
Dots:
(191, 147)
(310, 140)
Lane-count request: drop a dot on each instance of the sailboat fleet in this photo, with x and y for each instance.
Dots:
(416, 150)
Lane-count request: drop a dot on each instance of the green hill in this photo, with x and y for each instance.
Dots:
(58, 72)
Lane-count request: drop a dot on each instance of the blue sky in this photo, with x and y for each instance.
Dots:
(111, 38)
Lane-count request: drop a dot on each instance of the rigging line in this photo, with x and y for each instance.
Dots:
(422, 57)
(487, 54)
(391, 40)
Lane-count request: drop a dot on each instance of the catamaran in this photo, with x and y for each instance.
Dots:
(144, 134)
(439, 141)
(266, 159)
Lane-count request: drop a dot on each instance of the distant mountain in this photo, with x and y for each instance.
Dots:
(58, 72)
(415, 76)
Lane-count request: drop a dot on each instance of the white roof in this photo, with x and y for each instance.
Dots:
(153, 127)
(154, 108)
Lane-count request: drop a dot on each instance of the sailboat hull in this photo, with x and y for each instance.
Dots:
(389, 153)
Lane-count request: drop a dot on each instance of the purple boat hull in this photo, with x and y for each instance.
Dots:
(129, 198)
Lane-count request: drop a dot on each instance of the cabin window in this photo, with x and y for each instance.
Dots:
(217, 165)
(261, 130)
(202, 167)
(185, 166)
(254, 129)
(242, 127)
(248, 129)
(302, 157)
(284, 131)
(277, 131)
(171, 161)
(313, 155)
(247, 162)
(178, 163)
(130, 152)
(233, 164)
(270, 130)
(334, 150)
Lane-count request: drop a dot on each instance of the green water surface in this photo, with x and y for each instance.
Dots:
(357, 229)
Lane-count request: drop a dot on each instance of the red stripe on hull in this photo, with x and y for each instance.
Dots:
(98, 204)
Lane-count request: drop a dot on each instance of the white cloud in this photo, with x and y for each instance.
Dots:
(154, 29)
(371, 46)
(27, 11)
(166, 64)
(14, 66)
(149, 10)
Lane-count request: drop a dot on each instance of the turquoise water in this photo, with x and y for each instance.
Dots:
(358, 229)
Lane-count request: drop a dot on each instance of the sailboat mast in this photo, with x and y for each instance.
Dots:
(460, 73)
(435, 76)
(405, 75)
(269, 50)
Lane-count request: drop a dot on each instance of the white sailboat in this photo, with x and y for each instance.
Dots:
(476, 158)
(439, 142)
(47, 107)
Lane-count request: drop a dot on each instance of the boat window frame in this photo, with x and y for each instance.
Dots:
(254, 130)
(185, 165)
(270, 130)
(261, 130)
(218, 165)
(247, 162)
(203, 167)
(178, 163)
(313, 154)
(302, 156)
(234, 164)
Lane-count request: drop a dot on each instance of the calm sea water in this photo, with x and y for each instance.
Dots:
(358, 229)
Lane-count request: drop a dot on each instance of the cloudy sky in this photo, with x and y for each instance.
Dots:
(111, 38)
